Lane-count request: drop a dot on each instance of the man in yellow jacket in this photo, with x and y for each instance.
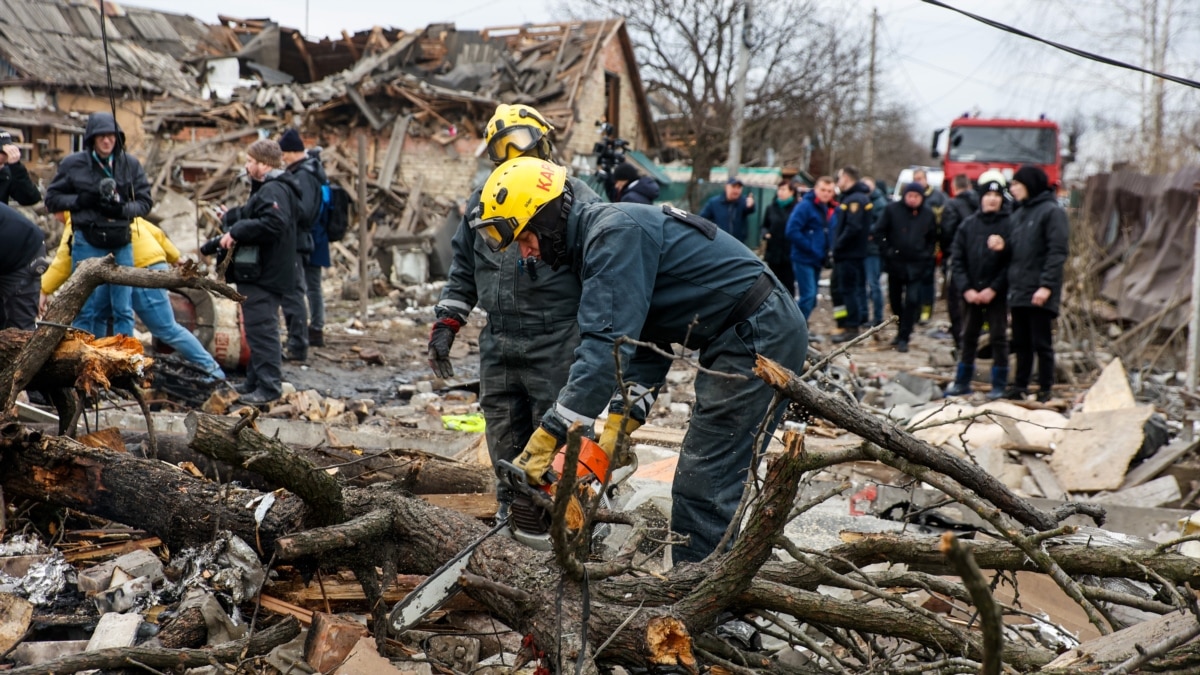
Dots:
(152, 249)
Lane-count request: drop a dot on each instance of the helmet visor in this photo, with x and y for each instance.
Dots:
(498, 233)
(513, 142)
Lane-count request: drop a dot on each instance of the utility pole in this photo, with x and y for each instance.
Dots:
(739, 94)
(1193, 343)
(869, 141)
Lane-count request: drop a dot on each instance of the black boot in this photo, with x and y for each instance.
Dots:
(999, 383)
(962, 380)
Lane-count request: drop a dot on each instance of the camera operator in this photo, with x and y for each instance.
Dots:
(15, 182)
(22, 261)
(104, 188)
(610, 154)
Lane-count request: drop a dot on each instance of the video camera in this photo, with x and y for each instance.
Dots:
(108, 191)
(610, 150)
(212, 246)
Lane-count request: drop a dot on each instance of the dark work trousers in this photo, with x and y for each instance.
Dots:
(995, 314)
(954, 305)
(295, 313)
(19, 293)
(316, 300)
(516, 387)
(907, 283)
(260, 320)
(718, 450)
(1031, 334)
(852, 280)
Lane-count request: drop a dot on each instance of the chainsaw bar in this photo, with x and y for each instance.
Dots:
(437, 587)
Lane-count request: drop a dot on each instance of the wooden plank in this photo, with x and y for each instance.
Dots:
(111, 550)
(372, 117)
(1046, 481)
(273, 604)
(412, 208)
(1159, 462)
(394, 149)
(1148, 495)
(475, 504)
(312, 69)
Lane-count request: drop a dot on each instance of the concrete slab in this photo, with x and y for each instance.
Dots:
(114, 630)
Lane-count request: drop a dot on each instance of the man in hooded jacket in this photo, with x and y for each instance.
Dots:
(961, 206)
(1038, 244)
(631, 187)
(261, 237)
(104, 188)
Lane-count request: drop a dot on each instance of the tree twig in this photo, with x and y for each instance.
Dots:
(991, 619)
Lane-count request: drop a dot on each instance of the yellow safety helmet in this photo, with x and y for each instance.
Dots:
(516, 131)
(515, 191)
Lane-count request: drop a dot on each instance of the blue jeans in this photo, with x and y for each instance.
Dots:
(807, 277)
(107, 301)
(153, 307)
(874, 267)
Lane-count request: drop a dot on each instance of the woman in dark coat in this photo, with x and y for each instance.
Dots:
(777, 251)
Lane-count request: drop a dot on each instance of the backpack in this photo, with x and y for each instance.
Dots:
(335, 211)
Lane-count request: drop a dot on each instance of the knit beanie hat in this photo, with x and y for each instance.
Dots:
(625, 171)
(915, 187)
(290, 141)
(266, 151)
(1033, 178)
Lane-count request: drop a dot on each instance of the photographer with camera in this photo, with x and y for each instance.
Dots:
(22, 261)
(15, 182)
(104, 188)
(261, 237)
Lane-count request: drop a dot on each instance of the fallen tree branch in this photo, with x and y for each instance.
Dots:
(991, 619)
(119, 657)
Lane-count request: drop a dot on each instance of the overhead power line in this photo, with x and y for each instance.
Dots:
(1067, 48)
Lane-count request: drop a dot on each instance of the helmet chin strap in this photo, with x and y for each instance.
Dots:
(552, 231)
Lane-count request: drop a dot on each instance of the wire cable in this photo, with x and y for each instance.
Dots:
(1066, 48)
(112, 99)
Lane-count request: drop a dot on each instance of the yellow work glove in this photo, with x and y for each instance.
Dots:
(608, 437)
(536, 457)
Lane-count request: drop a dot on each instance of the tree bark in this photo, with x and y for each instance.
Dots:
(22, 369)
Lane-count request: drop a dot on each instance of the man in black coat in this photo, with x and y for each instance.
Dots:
(777, 250)
(1038, 244)
(961, 206)
(851, 233)
(15, 183)
(631, 187)
(310, 176)
(907, 236)
(262, 236)
(22, 262)
(104, 188)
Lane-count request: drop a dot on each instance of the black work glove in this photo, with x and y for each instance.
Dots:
(441, 337)
(114, 210)
(88, 199)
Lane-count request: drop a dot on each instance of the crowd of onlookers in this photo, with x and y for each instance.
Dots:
(1000, 245)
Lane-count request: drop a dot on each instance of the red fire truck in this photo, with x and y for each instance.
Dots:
(976, 144)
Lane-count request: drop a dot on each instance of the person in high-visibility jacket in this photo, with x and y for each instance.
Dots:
(152, 249)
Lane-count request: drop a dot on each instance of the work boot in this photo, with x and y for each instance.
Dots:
(1016, 393)
(1044, 395)
(245, 388)
(845, 336)
(962, 380)
(259, 397)
(999, 382)
(902, 346)
(295, 355)
(316, 338)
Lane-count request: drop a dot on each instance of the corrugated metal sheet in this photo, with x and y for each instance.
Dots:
(153, 26)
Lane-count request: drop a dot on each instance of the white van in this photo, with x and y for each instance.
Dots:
(934, 174)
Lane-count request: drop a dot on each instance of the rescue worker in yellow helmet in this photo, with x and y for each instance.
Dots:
(530, 308)
(662, 276)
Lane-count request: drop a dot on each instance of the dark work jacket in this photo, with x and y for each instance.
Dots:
(310, 176)
(958, 209)
(775, 220)
(808, 230)
(646, 275)
(879, 202)
(973, 264)
(22, 240)
(1039, 243)
(15, 184)
(268, 220)
(82, 172)
(851, 228)
(500, 284)
(906, 238)
(644, 190)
